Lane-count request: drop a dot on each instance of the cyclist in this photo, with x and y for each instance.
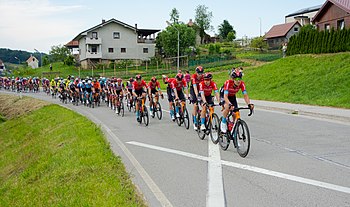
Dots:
(139, 90)
(129, 88)
(194, 90)
(231, 87)
(170, 94)
(177, 86)
(205, 89)
(96, 89)
(119, 91)
(153, 88)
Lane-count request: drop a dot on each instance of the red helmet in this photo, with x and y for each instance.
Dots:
(119, 80)
(208, 76)
(179, 76)
(153, 79)
(131, 79)
(199, 69)
(236, 74)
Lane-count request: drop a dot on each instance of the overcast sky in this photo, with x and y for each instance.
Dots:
(40, 24)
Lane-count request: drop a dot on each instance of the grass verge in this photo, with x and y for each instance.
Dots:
(55, 157)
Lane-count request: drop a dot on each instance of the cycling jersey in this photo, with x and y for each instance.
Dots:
(231, 89)
(207, 89)
(138, 86)
(118, 86)
(153, 85)
(196, 80)
(178, 84)
(96, 85)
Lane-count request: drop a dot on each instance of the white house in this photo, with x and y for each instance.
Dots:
(33, 62)
(114, 40)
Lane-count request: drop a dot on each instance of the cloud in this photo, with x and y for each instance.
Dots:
(28, 24)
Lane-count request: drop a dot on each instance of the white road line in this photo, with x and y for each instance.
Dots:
(252, 169)
(215, 193)
(148, 180)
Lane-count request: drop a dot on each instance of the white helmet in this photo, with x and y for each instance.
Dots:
(89, 81)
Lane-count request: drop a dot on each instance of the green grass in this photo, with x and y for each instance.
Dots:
(264, 57)
(55, 157)
(308, 79)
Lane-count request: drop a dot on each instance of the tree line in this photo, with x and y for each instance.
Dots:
(310, 40)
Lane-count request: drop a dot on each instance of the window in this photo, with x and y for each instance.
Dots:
(123, 50)
(94, 49)
(145, 50)
(94, 35)
(116, 35)
(296, 29)
(341, 24)
(327, 27)
(110, 50)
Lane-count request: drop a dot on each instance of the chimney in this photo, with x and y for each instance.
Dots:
(103, 21)
(136, 26)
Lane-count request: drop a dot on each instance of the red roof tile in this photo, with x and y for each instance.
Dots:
(343, 4)
(72, 44)
(280, 30)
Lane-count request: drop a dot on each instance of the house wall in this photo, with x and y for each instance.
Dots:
(331, 16)
(33, 64)
(127, 40)
(276, 43)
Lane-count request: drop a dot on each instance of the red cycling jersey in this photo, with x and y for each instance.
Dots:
(195, 79)
(138, 86)
(207, 89)
(231, 89)
(153, 85)
(178, 84)
(169, 80)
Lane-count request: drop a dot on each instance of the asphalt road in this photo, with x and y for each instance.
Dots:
(294, 160)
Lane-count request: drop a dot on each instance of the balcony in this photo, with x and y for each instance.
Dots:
(147, 41)
(93, 55)
(93, 41)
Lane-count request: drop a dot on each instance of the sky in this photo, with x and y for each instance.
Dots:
(40, 24)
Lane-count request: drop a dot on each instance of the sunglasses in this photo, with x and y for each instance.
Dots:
(237, 79)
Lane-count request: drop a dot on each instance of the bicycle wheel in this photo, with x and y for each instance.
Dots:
(179, 120)
(145, 116)
(214, 129)
(152, 112)
(224, 139)
(201, 134)
(128, 103)
(242, 138)
(121, 112)
(159, 111)
(186, 119)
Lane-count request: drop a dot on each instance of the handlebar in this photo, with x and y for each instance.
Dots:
(251, 111)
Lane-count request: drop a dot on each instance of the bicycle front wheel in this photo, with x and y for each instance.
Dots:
(159, 111)
(201, 134)
(145, 116)
(214, 130)
(186, 119)
(224, 139)
(121, 112)
(242, 138)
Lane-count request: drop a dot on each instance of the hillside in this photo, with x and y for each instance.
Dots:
(309, 79)
(8, 55)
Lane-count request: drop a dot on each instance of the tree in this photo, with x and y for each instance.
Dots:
(259, 42)
(231, 36)
(174, 16)
(224, 29)
(166, 41)
(59, 53)
(203, 20)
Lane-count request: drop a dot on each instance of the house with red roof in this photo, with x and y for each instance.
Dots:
(281, 33)
(333, 14)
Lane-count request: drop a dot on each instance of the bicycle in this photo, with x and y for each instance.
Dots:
(120, 106)
(212, 124)
(143, 111)
(156, 108)
(130, 102)
(184, 118)
(237, 131)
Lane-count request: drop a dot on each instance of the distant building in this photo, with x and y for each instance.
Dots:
(114, 40)
(206, 39)
(281, 33)
(33, 62)
(333, 14)
(303, 16)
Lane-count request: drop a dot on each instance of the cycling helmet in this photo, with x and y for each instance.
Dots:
(236, 74)
(131, 79)
(179, 76)
(199, 70)
(119, 80)
(164, 76)
(89, 82)
(154, 79)
(83, 81)
(138, 77)
(208, 76)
